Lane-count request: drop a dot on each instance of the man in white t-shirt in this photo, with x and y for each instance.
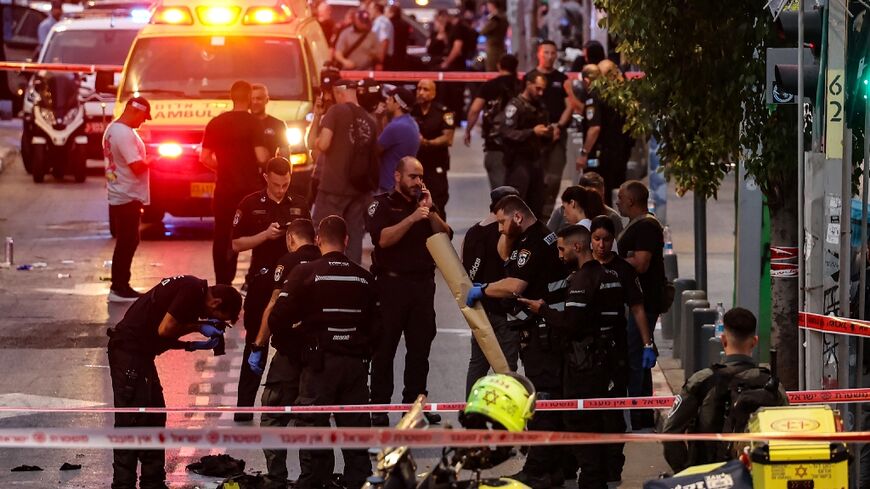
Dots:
(127, 183)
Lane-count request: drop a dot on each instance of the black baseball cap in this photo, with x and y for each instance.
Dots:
(499, 193)
(369, 86)
(403, 97)
(345, 83)
(141, 103)
(363, 16)
(328, 77)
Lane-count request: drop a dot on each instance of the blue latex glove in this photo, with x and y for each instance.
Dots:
(254, 361)
(474, 294)
(208, 344)
(209, 328)
(649, 357)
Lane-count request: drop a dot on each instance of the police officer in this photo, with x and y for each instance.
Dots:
(282, 383)
(525, 131)
(534, 271)
(232, 147)
(153, 325)
(399, 224)
(336, 303)
(259, 225)
(274, 129)
(436, 137)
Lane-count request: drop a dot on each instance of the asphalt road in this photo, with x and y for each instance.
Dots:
(53, 323)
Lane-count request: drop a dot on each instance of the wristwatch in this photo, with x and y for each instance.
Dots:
(583, 152)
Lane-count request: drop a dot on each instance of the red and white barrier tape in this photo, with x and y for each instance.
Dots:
(836, 396)
(257, 438)
(833, 325)
(382, 76)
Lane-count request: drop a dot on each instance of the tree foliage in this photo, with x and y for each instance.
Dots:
(703, 93)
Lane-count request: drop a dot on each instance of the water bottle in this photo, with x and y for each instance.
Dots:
(651, 205)
(9, 251)
(669, 244)
(720, 319)
(592, 163)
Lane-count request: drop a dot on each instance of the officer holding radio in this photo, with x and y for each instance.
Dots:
(260, 225)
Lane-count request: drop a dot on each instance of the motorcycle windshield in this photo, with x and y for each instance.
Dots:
(412, 420)
(59, 93)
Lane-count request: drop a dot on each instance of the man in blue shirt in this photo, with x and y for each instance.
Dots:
(400, 137)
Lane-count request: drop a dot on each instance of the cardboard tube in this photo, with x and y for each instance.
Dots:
(448, 263)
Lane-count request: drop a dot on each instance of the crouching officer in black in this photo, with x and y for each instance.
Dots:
(282, 383)
(260, 225)
(177, 306)
(335, 301)
(533, 271)
(596, 364)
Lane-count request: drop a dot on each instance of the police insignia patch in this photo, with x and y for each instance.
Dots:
(448, 118)
(523, 258)
(373, 208)
(269, 131)
(677, 401)
(236, 218)
(550, 238)
(590, 113)
(278, 270)
(510, 111)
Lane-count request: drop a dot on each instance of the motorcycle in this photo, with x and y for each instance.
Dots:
(396, 468)
(53, 139)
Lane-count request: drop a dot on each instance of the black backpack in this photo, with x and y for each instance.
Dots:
(363, 168)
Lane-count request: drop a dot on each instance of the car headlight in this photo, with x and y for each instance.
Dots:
(47, 115)
(295, 136)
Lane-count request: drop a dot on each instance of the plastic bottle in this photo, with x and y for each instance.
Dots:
(720, 319)
(651, 205)
(669, 244)
(592, 163)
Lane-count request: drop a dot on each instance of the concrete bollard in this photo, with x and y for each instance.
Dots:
(700, 316)
(715, 352)
(671, 320)
(706, 332)
(679, 326)
(686, 340)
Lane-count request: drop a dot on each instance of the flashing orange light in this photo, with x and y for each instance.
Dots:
(298, 159)
(218, 15)
(267, 15)
(172, 15)
(169, 150)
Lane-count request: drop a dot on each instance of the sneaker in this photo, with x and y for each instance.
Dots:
(381, 420)
(534, 481)
(432, 418)
(124, 295)
(243, 417)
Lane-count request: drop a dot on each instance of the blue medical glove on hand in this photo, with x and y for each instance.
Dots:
(208, 344)
(255, 360)
(649, 356)
(210, 328)
(475, 294)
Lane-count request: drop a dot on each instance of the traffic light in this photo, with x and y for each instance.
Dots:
(786, 74)
(857, 70)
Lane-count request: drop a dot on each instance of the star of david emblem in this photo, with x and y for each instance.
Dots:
(800, 471)
(490, 397)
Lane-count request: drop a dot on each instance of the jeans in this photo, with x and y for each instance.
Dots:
(125, 222)
(508, 340)
(352, 208)
(639, 378)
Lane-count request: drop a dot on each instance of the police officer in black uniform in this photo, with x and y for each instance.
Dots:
(525, 130)
(175, 307)
(400, 223)
(274, 129)
(282, 383)
(436, 137)
(534, 271)
(260, 224)
(336, 302)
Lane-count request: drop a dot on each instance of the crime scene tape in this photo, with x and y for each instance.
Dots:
(835, 396)
(833, 325)
(257, 438)
(383, 76)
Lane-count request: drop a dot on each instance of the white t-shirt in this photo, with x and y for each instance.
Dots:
(122, 146)
(383, 29)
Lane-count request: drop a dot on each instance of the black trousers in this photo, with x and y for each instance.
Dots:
(527, 177)
(341, 380)
(436, 183)
(135, 384)
(407, 307)
(125, 221)
(222, 254)
(281, 389)
(258, 296)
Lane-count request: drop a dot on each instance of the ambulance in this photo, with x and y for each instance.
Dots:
(184, 62)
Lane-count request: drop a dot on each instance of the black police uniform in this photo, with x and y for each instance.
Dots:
(134, 343)
(435, 159)
(535, 260)
(596, 361)
(484, 265)
(282, 381)
(274, 134)
(257, 212)
(335, 300)
(405, 276)
(522, 149)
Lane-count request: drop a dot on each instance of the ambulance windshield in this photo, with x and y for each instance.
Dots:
(205, 67)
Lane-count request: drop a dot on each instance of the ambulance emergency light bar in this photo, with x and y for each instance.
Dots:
(217, 15)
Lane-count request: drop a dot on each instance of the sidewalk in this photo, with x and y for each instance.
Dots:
(10, 133)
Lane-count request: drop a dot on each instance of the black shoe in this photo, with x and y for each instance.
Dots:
(123, 294)
(557, 478)
(432, 418)
(243, 417)
(541, 481)
(381, 420)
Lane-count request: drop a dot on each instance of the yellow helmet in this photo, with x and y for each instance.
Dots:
(507, 399)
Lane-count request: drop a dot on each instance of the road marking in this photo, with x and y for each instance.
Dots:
(457, 331)
(451, 174)
(31, 400)
(96, 366)
(87, 290)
